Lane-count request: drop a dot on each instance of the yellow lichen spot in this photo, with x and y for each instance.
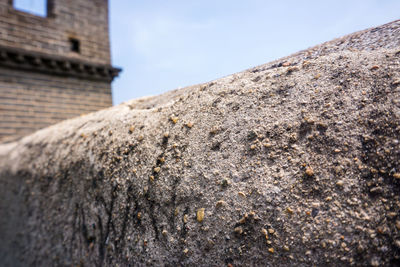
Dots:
(164, 232)
(151, 178)
(271, 250)
(139, 215)
(317, 76)
(200, 214)
(289, 210)
(396, 175)
(186, 251)
(162, 159)
(176, 211)
(174, 119)
(140, 138)
(185, 218)
(131, 129)
(252, 147)
(285, 248)
(157, 169)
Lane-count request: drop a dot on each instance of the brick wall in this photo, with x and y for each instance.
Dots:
(30, 101)
(84, 20)
(42, 80)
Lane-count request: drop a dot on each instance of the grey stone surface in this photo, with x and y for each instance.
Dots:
(293, 163)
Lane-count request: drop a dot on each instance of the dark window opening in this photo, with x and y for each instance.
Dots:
(35, 7)
(75, 45)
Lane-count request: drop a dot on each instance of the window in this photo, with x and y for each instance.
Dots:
(36, 7)
(75, 45)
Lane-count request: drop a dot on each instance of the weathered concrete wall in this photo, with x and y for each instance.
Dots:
(293, 163)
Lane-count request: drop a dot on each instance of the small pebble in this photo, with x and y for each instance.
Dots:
(241, 194)
(267, 145)
(271, 250)
(340, 183)
(220, 203)
(200, 214)
(309, 171)
(174, 119)
(239, 230)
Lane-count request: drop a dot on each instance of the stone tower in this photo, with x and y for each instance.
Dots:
(53, 66)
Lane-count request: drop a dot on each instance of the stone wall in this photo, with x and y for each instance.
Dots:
(292, 163)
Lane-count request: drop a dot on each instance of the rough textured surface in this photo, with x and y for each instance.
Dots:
(292, 163)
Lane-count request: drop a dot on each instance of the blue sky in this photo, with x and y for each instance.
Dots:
(162, 45)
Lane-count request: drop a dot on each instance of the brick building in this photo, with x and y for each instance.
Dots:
(53, 66)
